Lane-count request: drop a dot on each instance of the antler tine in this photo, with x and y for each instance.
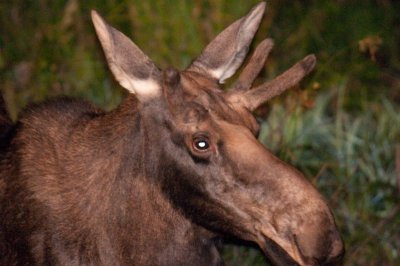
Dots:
(255, 97)
(253, 68)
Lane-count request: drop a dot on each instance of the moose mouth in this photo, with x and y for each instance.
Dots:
(292, 255)
(276, 254)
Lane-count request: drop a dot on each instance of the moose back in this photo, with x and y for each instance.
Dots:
(160, 179)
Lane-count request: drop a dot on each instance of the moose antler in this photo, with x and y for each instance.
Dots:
(264, 92)
(253, 68)
(253, 98)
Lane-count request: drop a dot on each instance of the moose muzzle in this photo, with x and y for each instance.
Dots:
(290, 220)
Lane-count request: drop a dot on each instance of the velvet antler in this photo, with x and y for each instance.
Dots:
(253, 98)
(253, 68)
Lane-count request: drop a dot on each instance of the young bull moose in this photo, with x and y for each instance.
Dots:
(161, 178)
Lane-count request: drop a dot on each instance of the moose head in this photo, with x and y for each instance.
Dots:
(203, 148)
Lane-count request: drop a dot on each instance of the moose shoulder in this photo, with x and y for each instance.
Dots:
(160, 179)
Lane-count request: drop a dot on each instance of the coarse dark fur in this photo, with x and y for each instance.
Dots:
(72, 193)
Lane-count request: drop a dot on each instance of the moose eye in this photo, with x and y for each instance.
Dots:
(201, 144)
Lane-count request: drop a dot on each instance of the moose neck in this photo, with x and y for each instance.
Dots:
(122, 138)
(127, 184)
(125, 137)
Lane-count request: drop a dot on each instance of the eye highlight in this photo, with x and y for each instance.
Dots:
(201, 144)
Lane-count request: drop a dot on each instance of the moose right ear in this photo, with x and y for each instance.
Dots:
(224, 55)
(131, 67)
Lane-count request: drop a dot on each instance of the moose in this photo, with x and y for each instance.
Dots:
(166, 175)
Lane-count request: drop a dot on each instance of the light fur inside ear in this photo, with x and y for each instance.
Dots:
(245, 35)
(130, 66)
(224, 55)
(148, 88)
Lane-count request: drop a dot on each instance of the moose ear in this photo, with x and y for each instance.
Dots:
(131, 67)
(224, 55)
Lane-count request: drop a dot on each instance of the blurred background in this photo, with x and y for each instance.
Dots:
(340, 126)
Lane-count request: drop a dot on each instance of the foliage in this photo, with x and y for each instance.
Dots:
(340, 127)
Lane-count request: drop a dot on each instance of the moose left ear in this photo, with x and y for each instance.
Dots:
(224, 55)
(131, 67)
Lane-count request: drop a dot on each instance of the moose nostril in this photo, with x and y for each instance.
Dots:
(337, 250)
(325, 248)
(319, 242)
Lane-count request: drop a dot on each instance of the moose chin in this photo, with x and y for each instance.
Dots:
(163, 177)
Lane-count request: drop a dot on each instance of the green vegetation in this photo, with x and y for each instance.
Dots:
(341, 126)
